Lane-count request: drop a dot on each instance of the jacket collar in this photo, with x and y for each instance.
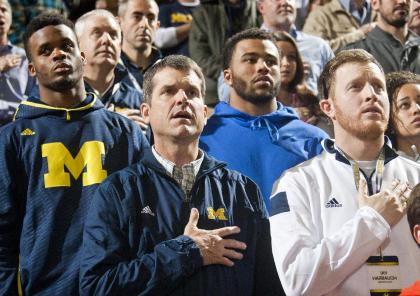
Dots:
(208, 165)
(329, 146)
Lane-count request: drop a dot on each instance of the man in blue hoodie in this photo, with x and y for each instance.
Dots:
(52, 158)
(255, 134)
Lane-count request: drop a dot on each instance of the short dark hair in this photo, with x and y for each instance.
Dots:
(177, 62)
(394, 82)
(41, 21)
(299, 75)
(252, 33)
(413, 208)
(326, 81)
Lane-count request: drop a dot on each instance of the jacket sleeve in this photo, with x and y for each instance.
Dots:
(307, 261)
(139, 144)
(9, 219)
(267, 282)
(111, 265)
(320, 25)
(199, 45)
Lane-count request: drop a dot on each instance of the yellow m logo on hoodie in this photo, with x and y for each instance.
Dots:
(58, 157)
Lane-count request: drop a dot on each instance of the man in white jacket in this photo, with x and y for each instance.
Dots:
(338, 222)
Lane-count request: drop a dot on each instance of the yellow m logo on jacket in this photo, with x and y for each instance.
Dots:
(219, 214)
(58, 157)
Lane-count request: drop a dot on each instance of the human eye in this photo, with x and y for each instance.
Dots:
(271, 62)
(45, 51)
(404, 105)
(250, 60)
(68, 46)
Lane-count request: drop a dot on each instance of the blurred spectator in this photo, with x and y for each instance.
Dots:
(293, 91)
(404, 124)
(110, 5)
(175, 24)
(391, 43)
(414, 24)
(25, 10)
(99, 36)
(15, 82)
(213, 23)
(340, 22)
(139, 22)
(255, 134)
(413, 217)
(280, 15)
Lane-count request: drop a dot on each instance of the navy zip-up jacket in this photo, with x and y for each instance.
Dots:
(51, 162)
(133, 243)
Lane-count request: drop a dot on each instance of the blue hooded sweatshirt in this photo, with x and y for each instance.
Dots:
(51, 162)
(260, 147)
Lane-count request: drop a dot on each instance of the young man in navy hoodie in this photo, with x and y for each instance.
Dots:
(53, 156)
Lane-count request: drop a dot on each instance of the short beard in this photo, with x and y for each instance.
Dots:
(240, 87)
(358, 129)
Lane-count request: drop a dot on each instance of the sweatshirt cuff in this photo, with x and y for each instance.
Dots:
(376, 223)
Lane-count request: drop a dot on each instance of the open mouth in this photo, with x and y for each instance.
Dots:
(263, 79)
(182, 115)
(372, 110)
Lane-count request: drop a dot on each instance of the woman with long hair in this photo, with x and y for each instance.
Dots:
(404, 123)
(293, 91)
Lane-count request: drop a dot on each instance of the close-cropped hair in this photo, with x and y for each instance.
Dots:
(177, 62)
(41, 21)
(326, 81)
(122, 6)
(252, 33)
(394, 82)
(413, 208)
(299, 75)
(81, 21)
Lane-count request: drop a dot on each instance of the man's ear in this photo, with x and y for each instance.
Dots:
(227, 74)
(416, 233)
(328, 108)
(145, 112)
(206, 113)
(82, 54)
(31, 69)
(375, 5)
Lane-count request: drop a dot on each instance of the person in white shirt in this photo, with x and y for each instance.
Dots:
(338, 222)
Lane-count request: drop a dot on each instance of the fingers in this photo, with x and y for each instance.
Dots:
(234, 244)
(225, 231)
(231, 254)
(194, 215)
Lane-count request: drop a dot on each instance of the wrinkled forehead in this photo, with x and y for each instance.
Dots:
(170, 76)
(101, 22)
(359, 71)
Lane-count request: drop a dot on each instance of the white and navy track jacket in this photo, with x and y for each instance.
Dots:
(322, 239)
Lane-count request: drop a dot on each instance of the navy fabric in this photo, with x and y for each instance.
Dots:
(279, 204)
(125, 95)
(134, 244)
(260, 147)
(42, 224)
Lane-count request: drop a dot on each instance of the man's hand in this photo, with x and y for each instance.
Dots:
(133, 114)
(390, 203)
(9, 61)
(214, 248)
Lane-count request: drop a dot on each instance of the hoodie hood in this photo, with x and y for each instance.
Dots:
(272, 121)
(34, 108)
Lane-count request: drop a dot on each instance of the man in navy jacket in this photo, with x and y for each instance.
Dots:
(178, 222)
